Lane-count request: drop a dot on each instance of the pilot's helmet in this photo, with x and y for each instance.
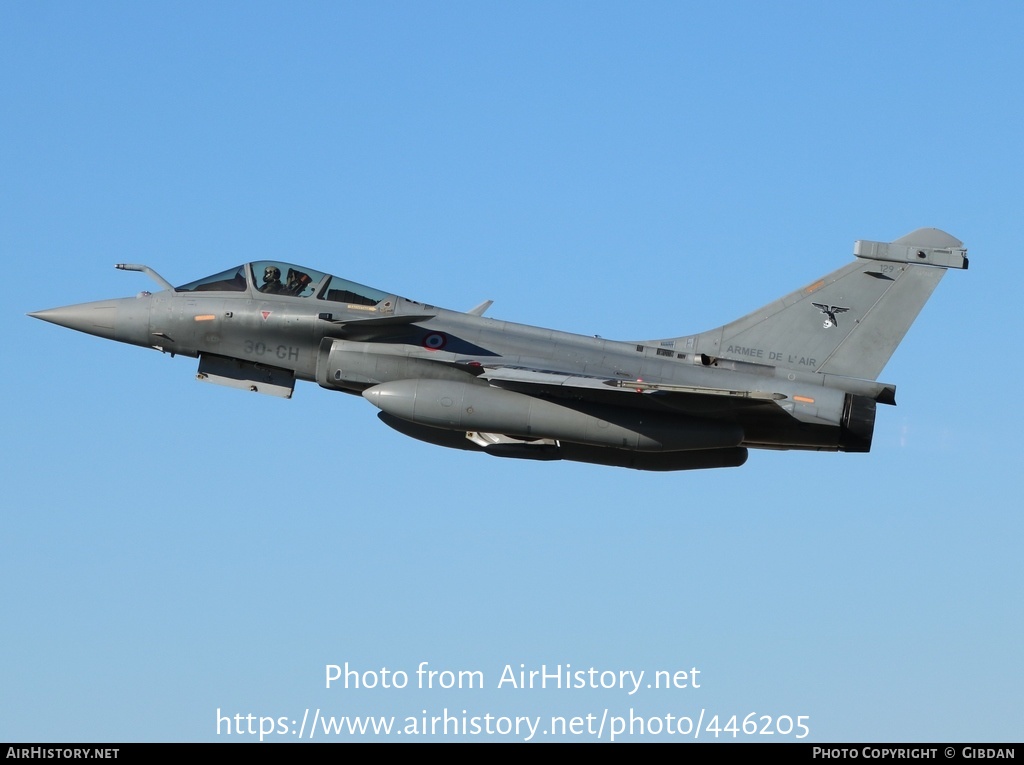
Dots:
(271, 274)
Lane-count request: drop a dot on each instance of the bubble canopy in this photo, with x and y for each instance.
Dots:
(272, 277)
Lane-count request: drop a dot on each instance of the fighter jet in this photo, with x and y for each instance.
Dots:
(778, 378)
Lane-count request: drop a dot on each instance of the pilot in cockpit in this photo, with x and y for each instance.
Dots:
(271, 280)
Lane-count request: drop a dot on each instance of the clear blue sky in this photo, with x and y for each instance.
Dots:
(168, 549)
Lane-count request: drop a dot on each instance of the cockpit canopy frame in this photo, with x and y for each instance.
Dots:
(272, 277)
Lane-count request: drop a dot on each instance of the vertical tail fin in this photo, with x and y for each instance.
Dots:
(849, 322)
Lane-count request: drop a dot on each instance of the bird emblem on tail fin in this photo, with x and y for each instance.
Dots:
(830, 313)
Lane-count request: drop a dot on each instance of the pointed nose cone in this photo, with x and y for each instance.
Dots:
(99, 318)
(123, 319)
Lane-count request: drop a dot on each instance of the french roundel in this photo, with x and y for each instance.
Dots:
(435, 341)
